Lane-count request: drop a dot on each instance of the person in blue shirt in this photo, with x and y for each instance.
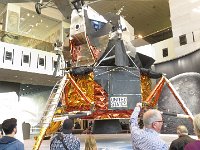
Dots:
(147, 138)
(8, 142)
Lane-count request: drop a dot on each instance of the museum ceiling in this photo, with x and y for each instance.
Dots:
(148, 17)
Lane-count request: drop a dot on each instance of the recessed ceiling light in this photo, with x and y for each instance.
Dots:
(47, 26)
(16, 76)
(22, 19)
(140, 36)
(33, 16)
(28, 14)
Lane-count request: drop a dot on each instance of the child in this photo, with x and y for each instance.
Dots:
(90, 143)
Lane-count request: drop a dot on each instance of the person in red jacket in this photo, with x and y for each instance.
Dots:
(196, 144)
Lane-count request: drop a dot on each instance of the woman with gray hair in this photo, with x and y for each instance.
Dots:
(196, 144)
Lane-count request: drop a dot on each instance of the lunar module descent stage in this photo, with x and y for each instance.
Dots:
(107, 76)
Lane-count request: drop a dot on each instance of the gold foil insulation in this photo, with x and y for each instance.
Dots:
(73, 100)
(145, 86)
(95, 94)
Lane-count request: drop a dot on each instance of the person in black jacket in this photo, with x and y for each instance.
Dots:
(183, 139)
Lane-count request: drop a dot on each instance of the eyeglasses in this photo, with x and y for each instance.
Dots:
(160, 121)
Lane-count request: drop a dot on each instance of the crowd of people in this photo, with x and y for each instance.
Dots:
(146, 138)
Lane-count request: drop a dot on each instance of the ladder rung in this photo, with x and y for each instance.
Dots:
(53, 103)
(45, 123)
(52, 99)
(56, 93)
(49, 110)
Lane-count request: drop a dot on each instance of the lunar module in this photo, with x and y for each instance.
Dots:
(105, 77)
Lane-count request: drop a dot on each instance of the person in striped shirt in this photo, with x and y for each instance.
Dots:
(147, 138)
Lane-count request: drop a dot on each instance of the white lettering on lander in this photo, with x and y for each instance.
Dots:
(118, 101)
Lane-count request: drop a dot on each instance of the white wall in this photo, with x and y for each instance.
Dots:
(10, 108)
(32, 106)
(33, 66)
(158, 47)
(185, 19)
(146, 50)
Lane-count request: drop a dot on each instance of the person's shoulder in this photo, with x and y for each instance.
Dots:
(71, 136)
(76, 138)
(163, 145)
(176, 140)
(19, 142)
(192, 145)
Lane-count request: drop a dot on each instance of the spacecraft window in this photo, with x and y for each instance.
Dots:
(77, 26)
(97, 24)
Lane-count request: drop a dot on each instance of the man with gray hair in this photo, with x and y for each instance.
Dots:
(182, 140)
(147, 138)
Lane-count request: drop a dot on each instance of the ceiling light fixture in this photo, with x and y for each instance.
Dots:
(140, 36)
(22, 19)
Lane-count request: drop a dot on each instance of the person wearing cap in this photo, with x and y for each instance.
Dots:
(8, 142)
(182, 140)
(65, 140)
(147, 138)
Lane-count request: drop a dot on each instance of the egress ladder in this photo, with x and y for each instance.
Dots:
(50, 109)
